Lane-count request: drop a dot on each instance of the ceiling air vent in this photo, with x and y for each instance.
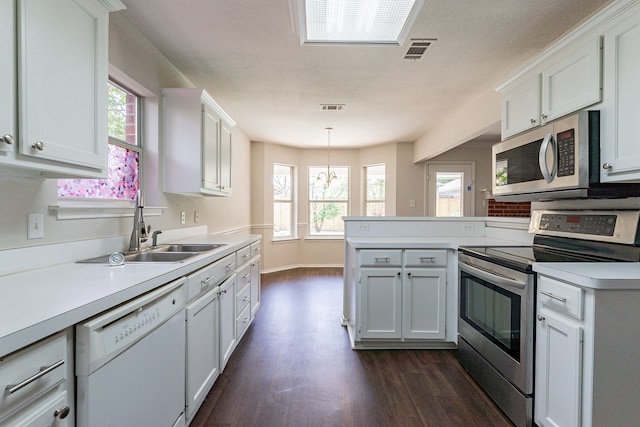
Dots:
(417, 48)
(332, 107)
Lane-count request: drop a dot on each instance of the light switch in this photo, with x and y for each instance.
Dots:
(35, 226)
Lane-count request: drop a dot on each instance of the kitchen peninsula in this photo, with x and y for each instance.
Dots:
(400, 276)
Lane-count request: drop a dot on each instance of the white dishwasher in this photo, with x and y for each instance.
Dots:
(130, 362)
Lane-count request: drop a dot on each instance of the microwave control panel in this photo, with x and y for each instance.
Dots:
(566, 152)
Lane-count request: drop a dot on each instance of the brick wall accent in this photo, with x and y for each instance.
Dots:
(511, 209)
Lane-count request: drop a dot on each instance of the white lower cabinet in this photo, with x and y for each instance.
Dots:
(255, 285)
(559, 371)
(424, 303)
(380, 305)
(401, 296)
(203, 355)
(227, 317)
(37, 384)
(587, 342)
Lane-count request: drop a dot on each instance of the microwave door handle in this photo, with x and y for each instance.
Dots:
(542, 158)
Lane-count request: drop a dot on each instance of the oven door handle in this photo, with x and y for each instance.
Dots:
(492, 277)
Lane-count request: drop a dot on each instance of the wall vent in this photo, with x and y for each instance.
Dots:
(417, 48)
(332, 107)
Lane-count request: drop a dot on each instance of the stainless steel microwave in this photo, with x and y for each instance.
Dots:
(558, 160)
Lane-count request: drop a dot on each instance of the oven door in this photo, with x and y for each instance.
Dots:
(496, 317)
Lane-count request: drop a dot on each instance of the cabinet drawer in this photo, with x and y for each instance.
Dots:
(243, 296)
(560, 296)
(242, 321)
(44, 363)
(244, 276)
(425, 258)
(381, 257)
(210, 276)
(243, 255)
(255, 249)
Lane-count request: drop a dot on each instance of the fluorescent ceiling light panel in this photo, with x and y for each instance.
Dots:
(357, 21)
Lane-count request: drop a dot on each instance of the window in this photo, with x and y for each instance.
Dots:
(374, 179)
(283, 203)
(124, 153)
(328, 203)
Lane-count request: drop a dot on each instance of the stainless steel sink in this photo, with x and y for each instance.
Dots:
(163, 253)
(193, 247)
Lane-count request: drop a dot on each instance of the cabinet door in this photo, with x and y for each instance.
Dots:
(380, 305)
(225, 159)
(210, 149)
(558, 382)
(620, 133)
(521, 107)
(8, 117)
(203, 355)
(255, 285)
(424, 303)
(63, 81)
(572, 81)
(227, 296)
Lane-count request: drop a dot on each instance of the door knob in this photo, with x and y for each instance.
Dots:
(38, 145)
(607, 166)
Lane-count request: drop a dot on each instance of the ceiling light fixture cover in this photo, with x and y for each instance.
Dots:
(377, 22)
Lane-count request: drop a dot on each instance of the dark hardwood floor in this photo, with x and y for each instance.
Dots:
(295, 367)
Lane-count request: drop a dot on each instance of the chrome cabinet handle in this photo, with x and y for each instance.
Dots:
(607, 166)
(543, 116)
(245, 299)
(541, 318)
(532, 121)
(8, 139)
(385, 260)
(427, 259)
(230, 266)
(550, 295)
(38, 145)
(12, 388)
(246, 276)
(205, 282)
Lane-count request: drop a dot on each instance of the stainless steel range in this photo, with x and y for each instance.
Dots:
(497, 296)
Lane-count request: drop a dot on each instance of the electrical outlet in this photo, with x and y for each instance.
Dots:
(196, 217)
(412, 203)
(35, 226)
(183, 217)
(469, 226)
(363, 226)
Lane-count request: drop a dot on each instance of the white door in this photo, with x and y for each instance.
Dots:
(450, 189)
(380, 311)
(227, 320)
(558, 372)
(202, 349)
(424, 303)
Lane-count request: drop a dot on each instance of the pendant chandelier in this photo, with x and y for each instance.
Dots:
(330, 175)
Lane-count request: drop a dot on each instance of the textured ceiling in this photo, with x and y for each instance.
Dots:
(247, 54)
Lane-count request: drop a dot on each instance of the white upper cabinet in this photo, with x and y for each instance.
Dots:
(59, 112)
(8, 94)
(620, 116)
(562, 84)
(197, 144)
(521, 106)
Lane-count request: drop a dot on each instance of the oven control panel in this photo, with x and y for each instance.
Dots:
(606, 225)
(602, 225)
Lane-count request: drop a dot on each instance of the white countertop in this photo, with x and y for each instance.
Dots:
(601, 275)
(42, 301)
(428, 242)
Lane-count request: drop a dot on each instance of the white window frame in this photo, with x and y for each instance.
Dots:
(292, 202)
(365, 193)
(68, 208)
(310, 201)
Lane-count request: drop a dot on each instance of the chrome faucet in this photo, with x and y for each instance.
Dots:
(140, 232)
